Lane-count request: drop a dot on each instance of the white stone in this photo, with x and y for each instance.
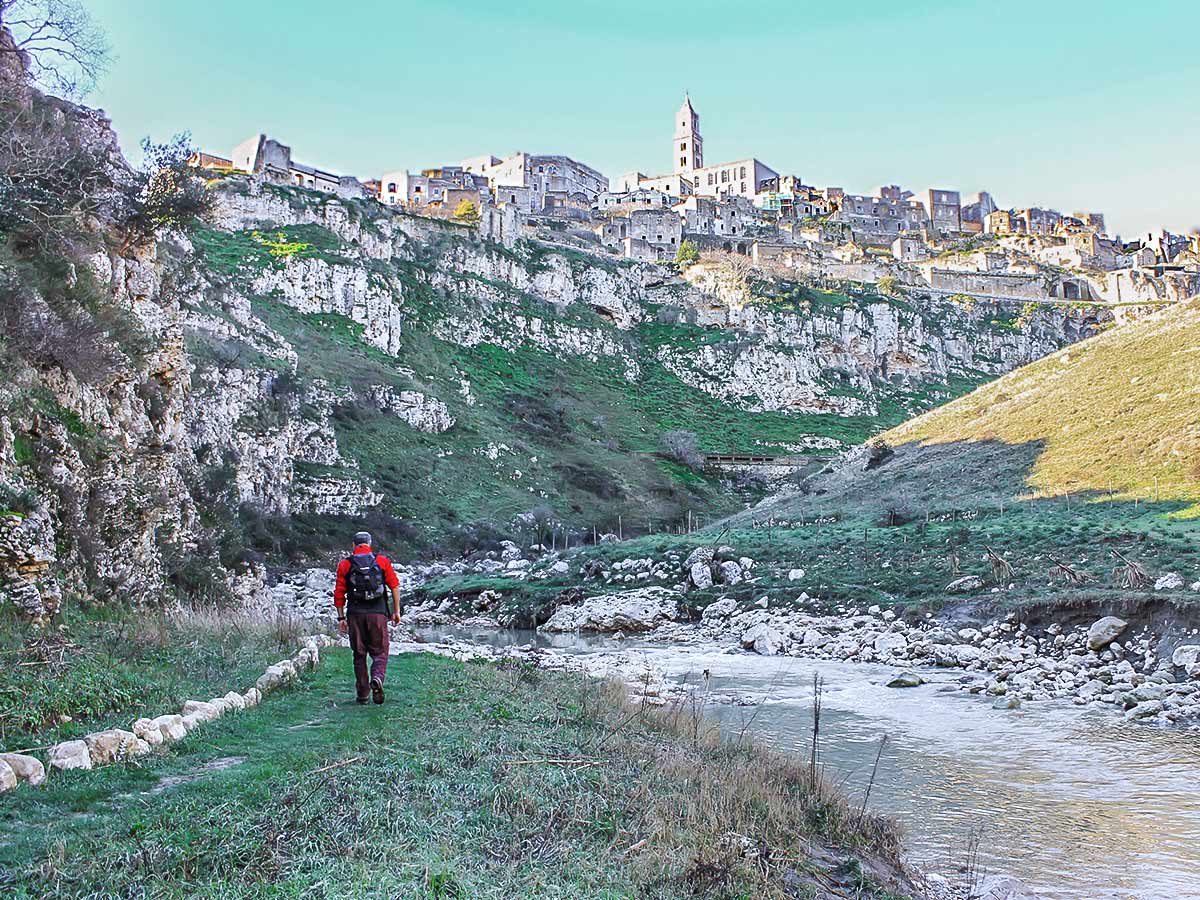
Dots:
(795, 574)
(8, 778)
(965, 585)
(639, 609)
(252, 697)
(111, 745)
(763, 639)
(170, 726)
(1169, 582)
(201, 709)
(70, 755)
(147, 731)
(906, 680)
(701, 575)
(731, 573)
(27, 768)
(1186, 656)
(890, 642)
(719, 609)
(1104, 631)
(235, 700)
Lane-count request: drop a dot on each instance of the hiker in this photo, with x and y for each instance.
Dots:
(360, 595)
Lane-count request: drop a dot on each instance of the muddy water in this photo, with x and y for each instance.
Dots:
(1076, 803)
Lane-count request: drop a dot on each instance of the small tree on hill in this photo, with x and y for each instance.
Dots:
(466, 212)
(167, 193)
(686, 255)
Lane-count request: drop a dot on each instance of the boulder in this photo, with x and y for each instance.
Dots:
(906, 680)
(70, 755)
(795, 574)
(1186, 656)
(1145, 710)
(1104, 631)
(1009, 701)
(890, 642)
(965, 585)
(701, 575)
(639, 609)
(699, 555)
(560, 568)
(111, 745)
(719, 609)
(27, 768)
(763, 640)
(251, 698)
(731, 573)
(813, 638)
(8, 778)
(1169, 582)
(147, 731)
(200, 709)
(235, 700)
(170, 726)
(194, 721)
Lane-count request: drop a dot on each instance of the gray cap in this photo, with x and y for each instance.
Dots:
(363, 537)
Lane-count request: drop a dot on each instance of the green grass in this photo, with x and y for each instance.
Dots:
(471, 781)
(107, 668)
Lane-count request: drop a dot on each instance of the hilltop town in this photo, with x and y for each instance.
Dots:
(937, 245)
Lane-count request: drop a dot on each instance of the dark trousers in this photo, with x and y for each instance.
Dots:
(368, 636)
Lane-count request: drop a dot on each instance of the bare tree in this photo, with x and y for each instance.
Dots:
(60, 45)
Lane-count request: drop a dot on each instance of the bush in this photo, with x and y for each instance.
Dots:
(467, 213)
(683, 447)
(166, 193)
(686, 255)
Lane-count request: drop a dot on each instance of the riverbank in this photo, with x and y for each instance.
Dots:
(472, 781)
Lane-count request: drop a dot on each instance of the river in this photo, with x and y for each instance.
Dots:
(1074, 802)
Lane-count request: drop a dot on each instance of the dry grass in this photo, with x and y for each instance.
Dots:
(1114, 413)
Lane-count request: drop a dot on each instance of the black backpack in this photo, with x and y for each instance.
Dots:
(364, 581)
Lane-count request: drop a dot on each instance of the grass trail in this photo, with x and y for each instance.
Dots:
(471, 781)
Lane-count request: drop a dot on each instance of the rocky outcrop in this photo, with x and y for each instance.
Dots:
(640, 609)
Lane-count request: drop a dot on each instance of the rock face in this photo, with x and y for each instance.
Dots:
(1104, 631)
(628, 611)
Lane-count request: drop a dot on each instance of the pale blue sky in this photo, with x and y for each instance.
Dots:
(1062, 103)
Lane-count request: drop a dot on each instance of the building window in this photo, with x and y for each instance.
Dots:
(743, 187)
(683, 161)
(391, 187)
(743, 172)
(683, 145)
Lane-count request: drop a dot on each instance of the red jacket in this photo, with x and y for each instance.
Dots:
(339, 586)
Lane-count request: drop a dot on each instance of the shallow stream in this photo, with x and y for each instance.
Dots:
(1074, 802)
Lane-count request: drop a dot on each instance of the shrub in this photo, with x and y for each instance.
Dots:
(687, 254)
(467, 213)
(683, 447)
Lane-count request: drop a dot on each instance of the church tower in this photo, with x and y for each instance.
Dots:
(689, 146)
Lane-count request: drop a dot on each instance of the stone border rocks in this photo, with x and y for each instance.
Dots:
(102, 748)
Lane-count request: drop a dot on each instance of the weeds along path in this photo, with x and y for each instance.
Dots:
(471, 781)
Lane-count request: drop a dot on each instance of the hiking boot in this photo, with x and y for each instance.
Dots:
(361, 699)
(376, 690)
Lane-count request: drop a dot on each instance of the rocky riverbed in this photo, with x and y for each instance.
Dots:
(1105, 661)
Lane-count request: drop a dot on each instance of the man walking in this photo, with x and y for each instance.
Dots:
(360, 595)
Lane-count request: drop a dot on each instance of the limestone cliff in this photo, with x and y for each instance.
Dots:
(299, 365)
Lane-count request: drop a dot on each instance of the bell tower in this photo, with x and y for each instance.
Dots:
(688, 147)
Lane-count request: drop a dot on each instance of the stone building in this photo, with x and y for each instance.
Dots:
(1038, 221)
(272, 160)
(1002, 221)
(554, 182)
(878, 220)
(645, 234)
(975, 212)
(945, 212)
(431, 186)
(909, 248)
(710, 216)
(638, 198)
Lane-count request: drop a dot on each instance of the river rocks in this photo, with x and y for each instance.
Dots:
(630, 611)
(28, 769)
(113, 744)
(763, 640)
(719, 609)
(795, 574)
(890, 643)
(8, 778)
(1169, 582)
(965, 585)
(1186, 657)
(170, 726)
(70, 755)
(701, 575)
(1001, 887)
(906, 680)
(1009, 701)
(1145, 710)
(1104, 631)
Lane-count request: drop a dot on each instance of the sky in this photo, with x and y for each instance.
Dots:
(1057, 103)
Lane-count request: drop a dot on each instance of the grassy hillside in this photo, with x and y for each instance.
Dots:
(1119, 413)
(1086, 460)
